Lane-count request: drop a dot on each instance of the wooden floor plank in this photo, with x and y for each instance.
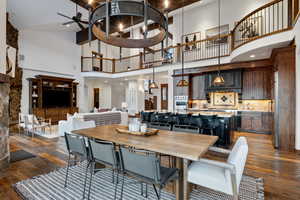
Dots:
(280, 170)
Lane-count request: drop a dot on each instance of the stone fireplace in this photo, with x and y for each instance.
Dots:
(4, 121)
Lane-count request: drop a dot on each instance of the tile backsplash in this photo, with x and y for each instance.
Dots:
(219, 103)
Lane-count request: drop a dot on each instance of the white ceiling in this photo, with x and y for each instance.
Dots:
(42, 14)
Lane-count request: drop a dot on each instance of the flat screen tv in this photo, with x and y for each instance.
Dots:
(56, 98)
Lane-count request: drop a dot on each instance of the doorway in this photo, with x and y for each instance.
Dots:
(164, 97)
(96, 97)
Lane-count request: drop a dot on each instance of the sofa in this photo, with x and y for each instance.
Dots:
(105, 118)
(72, 124)
(91, 120)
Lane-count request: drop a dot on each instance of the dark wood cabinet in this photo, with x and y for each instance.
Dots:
(257, 84)
(257, 122)
(198, 88)
(46, 94)
(232, 78)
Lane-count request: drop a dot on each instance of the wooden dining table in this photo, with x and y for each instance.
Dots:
(183, 146)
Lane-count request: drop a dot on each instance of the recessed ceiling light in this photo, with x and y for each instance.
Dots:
(252, 56)
(121, 27)
(166, 4)
(67, 25)
(90, 2)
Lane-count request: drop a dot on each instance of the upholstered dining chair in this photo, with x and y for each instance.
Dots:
(221, 176)
(145, 167)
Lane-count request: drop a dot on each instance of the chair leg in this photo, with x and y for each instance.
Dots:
(85, 179)
(158, 194)
(122, 187)
(235, 197)
(116, 185)
(211, 132)
(91, 177)
(67, 171)
(113, 176)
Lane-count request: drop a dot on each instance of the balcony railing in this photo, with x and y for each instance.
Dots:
(272, 18)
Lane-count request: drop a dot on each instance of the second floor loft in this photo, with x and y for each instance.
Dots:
(271, 19)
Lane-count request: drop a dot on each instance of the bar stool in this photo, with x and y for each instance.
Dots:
(210, 123)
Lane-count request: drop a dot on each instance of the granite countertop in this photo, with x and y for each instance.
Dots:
(219, 114)
(224, 110)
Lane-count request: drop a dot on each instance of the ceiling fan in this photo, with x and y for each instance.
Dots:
(75, 19)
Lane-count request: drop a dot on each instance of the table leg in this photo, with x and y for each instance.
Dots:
(179, 182)
(186, 185)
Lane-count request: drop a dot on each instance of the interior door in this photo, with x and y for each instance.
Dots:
(164, 97)
(96, 97)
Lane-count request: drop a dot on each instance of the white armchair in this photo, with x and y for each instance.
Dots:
(220, 176)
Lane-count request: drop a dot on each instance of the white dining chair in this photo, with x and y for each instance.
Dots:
(221, 176)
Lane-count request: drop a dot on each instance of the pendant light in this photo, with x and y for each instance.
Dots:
(219, 80)
(182, 82)
(153, 85)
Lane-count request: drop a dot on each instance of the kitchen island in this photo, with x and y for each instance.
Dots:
(224, 128)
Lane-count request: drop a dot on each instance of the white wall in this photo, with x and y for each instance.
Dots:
(2, 36)
(201, 18)
(297, 39)
(104, 95)
(48, 53)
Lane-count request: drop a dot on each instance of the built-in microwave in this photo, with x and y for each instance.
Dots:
(181, 102)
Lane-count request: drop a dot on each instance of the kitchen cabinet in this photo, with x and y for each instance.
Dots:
(256, 122)
(198, 88)
(257, 84)
(232, 78)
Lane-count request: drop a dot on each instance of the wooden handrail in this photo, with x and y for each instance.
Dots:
(255, 11)
(232, 42)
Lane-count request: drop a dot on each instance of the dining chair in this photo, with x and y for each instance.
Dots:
(145, 166)
(103, 152)
(221, 176)
(209, 123)
(76, 147)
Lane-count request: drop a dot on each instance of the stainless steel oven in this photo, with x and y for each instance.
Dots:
(181, 102)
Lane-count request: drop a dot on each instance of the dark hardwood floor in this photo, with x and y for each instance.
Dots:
(280, 170)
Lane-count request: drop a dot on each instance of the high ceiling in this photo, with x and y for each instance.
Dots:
(159, 4)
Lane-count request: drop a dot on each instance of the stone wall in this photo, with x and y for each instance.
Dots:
(4, 122)
(16, 82)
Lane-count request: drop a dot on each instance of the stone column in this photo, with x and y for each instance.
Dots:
(4, 121)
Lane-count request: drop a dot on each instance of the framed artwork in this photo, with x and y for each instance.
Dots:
(214, 32)
(11, 60)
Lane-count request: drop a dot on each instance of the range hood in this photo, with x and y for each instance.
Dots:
(232, 78)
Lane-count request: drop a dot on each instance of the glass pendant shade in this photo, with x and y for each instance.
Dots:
(182, 83)
(219, 80)
(153, 85)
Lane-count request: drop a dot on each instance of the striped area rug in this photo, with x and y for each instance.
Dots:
(51, 187)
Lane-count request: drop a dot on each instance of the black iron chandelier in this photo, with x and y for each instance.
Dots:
(99, 22)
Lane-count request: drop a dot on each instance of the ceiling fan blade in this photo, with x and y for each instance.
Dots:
(64, 16)
(83, 22)
(80, 26)
(66, 23)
